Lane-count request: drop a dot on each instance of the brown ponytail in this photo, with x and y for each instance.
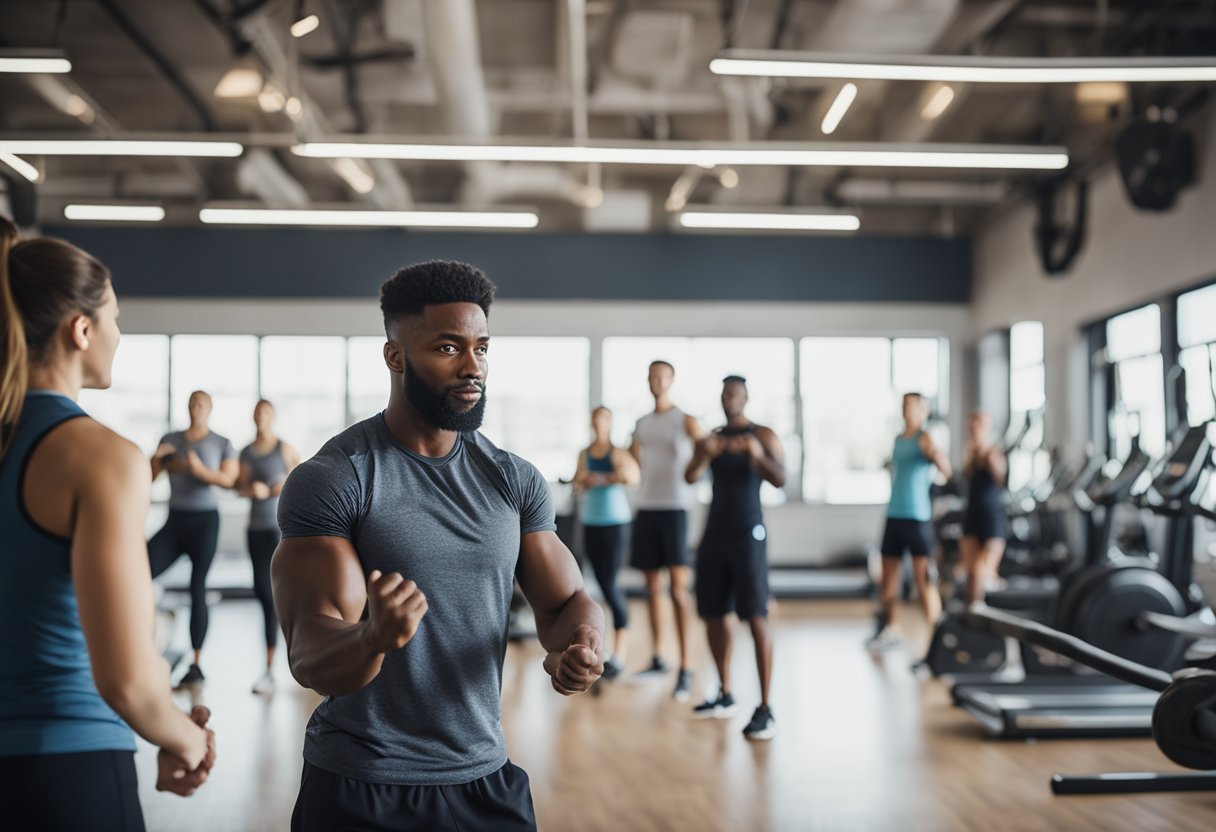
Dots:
(43, 281)
(12, 345)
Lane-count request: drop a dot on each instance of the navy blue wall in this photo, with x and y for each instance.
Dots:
(282, 262)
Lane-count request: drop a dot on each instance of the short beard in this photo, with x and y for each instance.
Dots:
(435, 407)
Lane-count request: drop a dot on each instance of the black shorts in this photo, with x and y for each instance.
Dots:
(984, 522)
(94, 790)
(732, 573)
(498, 801)
(913, 537)
(660, 538)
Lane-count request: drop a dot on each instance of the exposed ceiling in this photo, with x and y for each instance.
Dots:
(486, 69)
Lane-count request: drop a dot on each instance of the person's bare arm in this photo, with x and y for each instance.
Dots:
(705, 451)
(935, 455)
(582, 476)
(569, 624)
(292, 458)
(160, 459)
(625, 469)
(768, 456)
(998, 465)
(244, 480)
(635, 450)
(114, 595)
(693, 428)
(225, 477)
(320, 595)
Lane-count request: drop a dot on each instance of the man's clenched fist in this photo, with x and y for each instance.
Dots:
(395, 606)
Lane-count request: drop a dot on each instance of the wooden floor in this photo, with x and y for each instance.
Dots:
(862, 744)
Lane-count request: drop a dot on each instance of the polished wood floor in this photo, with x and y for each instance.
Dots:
(862, 745)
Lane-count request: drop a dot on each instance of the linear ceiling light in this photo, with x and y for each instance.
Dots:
(115, 213)
(33, 61)
(119, 147)
(20, 165)
(844, 100)
(797, 155)
(962, 69)
(387, 219)
(769, 221)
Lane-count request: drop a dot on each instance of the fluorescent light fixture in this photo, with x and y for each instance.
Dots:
(962, 68)
(115, 213)
(360, 181)
(769, 221)
(386, 219)
(683, 155)
(33, 61)
(1103, 93)
(119, 147)
(938, 102)
(20, 165)
(305, 25)
(844, 100)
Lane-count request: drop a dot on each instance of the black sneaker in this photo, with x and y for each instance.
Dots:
(657, 666)
(721, 707)
(613, 668)
(762, 725)
(683, 691)
(194, 676)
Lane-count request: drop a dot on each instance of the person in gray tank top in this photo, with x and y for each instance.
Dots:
(199, 463)
(264, 466)
(663, 444)
(402, 539)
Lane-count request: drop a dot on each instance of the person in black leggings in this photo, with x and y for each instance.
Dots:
(264, 466)
(199, 463)
(983, 542)
(603, 472)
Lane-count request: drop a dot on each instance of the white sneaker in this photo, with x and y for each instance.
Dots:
(886, 639)
(264, 684)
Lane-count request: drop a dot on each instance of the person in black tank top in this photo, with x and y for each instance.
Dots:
(732, 560)
(983, 541)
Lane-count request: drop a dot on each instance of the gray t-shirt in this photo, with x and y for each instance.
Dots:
(270, 468)
(187, 492)
(453, 526)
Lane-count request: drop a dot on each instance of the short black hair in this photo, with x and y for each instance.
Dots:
(735, 380)
(415, 287)
(658, 362)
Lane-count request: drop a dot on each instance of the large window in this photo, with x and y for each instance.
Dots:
(137, 401)
(226, 367)
(1133, 346)
(1027, 394)
(701, 364)
(1197, 338)
(537, 394)
(851, 395)
(304, 377)
(367, 378)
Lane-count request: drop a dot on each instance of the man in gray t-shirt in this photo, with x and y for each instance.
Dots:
(402, 539)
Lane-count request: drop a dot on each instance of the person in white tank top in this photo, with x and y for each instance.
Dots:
(663, 445)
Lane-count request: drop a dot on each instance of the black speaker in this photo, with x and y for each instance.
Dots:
(1156, 161)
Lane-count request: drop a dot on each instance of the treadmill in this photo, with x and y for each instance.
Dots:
(1087, 704)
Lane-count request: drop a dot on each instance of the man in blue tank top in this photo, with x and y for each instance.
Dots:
(914, 461)
(402, 539)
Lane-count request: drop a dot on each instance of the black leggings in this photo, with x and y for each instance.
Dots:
(93, 790)
(605, 546)
(262, 543)
(194, 534)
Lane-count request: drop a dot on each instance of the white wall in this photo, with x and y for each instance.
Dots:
(1130, 257)
(799, 533)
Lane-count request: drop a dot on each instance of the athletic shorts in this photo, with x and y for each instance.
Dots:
(93, 790)
(732, 573)
(913, 537)
(329, 802)
(984, 522)
(660, 538)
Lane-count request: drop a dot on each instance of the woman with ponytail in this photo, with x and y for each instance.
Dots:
(78, 669)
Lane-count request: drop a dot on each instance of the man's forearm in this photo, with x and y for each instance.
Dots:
(332, 656)
(557, 631)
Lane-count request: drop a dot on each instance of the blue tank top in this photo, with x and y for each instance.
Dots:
(911, 477)
(48, 701)
(604, 505)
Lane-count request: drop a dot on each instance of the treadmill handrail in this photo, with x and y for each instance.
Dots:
(983, 617)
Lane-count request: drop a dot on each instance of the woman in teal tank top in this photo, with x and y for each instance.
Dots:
(77, 660)
(915, 460)
(603, 472)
